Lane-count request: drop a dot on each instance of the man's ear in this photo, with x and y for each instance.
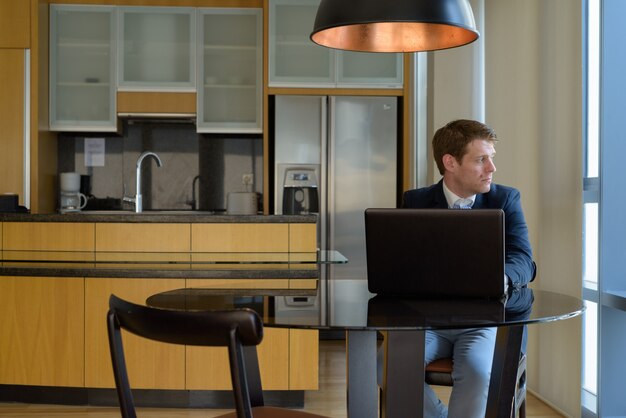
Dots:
(449, 162)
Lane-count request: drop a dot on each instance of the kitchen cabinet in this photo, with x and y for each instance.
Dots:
(13, 109)
(82, 68)
(42, 331)
(157, 48)
(230, 63)
(14, 24)
(74, 308)
(142, 237)
(295, 61)
(48, 236)
(151, 364)
(240, 237)
(207, 367)
(304, 359)
(148, 103)
(68, 325)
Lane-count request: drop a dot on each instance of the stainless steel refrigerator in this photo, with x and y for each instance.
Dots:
(346, 147)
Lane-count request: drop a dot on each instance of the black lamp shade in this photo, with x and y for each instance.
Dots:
(394, 25)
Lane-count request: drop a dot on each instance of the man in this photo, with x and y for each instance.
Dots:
(464, 151)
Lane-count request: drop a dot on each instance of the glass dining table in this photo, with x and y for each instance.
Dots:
(395, 326)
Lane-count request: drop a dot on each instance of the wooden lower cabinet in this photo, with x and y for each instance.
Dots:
(207, 367)
(53, 333)
(303, 359)
(151, 365)
(303, 238)
(240, 237)
(48, 236)
(288, 358)
(53, 329)
(42, 331)
(142, 237)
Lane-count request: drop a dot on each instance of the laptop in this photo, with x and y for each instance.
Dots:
(391, 311)
(435, 253)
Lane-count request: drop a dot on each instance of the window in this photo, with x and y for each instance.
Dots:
(604, 286)
(591, 201)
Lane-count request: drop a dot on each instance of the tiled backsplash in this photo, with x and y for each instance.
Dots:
(219, 160)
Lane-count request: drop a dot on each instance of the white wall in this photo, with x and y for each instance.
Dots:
(533, 99)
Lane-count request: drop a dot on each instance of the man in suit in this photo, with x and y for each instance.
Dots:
(464, 151)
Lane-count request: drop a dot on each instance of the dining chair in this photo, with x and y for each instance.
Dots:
(439, 373)
(241, 330)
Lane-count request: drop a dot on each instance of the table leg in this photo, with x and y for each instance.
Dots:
(403, 375)
(504, 371)
(361, 374)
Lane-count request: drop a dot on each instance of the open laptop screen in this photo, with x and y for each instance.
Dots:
(434, 253)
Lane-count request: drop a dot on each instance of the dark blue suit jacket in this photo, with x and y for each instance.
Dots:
(519, 267)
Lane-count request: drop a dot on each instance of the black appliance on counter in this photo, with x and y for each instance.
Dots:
(300, 191)
(9, 203)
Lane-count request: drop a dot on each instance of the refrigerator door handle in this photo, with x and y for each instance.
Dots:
(328, 168)
(26, 136)
(325, 182)
(325, 208)
(330, 172)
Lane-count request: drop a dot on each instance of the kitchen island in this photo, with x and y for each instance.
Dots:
(58, 271)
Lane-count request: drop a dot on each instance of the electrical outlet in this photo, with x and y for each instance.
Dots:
(247, 179)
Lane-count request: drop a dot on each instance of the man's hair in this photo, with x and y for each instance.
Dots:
(453, 139)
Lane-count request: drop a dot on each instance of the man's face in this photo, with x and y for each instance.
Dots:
(473, 174)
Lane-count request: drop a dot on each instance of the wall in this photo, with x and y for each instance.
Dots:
(536, 95)
(220, 161)
(533, 99)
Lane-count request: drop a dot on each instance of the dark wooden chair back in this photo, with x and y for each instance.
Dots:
(241, 330)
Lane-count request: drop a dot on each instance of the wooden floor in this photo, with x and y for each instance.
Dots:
(330, 400)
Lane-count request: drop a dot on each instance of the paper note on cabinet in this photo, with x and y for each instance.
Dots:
(94, 152)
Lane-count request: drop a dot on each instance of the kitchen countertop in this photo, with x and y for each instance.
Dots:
(154, 217)
(158, 273)
(141, 264)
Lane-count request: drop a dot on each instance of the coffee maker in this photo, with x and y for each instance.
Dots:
(300, 191)
(70, 197)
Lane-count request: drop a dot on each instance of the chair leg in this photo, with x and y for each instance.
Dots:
(116, 348)
(245, 375)
(522, 409)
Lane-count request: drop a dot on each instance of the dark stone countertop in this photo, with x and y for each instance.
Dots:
(155, 217)
(148, 272)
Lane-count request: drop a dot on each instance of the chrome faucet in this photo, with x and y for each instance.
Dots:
(138, 197)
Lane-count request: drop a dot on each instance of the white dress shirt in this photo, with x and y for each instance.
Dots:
(451, 198)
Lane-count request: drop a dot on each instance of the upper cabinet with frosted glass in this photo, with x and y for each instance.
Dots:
(157, 48)
(230, 66)
(294, 60)
(82, 68)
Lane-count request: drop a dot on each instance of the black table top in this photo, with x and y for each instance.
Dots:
(350, 308)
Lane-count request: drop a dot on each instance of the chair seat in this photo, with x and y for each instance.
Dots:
(272, 412)
(439, 372)
(442, 365)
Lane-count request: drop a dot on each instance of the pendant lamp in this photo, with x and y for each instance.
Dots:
(394, 25)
